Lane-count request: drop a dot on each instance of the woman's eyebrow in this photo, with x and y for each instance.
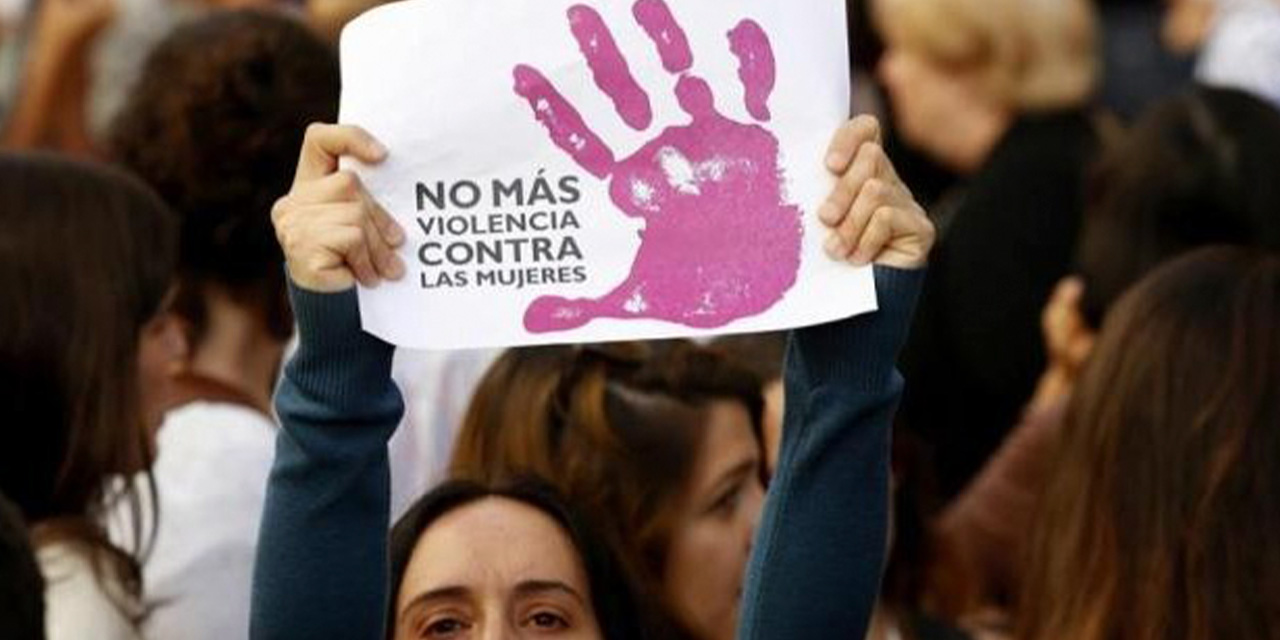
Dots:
(734, 474)
(536, 587)
(427, 597)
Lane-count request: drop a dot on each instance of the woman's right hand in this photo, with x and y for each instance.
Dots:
(332, 231)
(871, 214)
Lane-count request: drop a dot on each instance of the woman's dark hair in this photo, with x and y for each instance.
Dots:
(618, 610)
(762, 353)
(214, 125)
(21, 584)
(86, 258)
(1159, 519)
(1197, 169)
(617, 429)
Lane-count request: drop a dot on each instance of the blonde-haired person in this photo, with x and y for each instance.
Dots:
(997, 90)
(1019, 54)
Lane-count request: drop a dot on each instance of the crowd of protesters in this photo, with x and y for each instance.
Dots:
(1062, 423)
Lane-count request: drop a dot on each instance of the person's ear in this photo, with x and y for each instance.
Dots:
(166, 343)
(1067, 335)
(1068, 340)
(164, 352)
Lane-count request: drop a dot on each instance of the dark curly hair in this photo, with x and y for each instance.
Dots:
(214, 125)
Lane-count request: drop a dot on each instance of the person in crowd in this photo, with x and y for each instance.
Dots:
(1147, 51)
(21, 585)
(762, 354)
(86, 265)
(1198, 169)
(214, 126)
(510, 559)
(921, 574)
(1159, 515)
(817, 556)
(66, 74)
(50, 103)
(658, 445)
(999, 92)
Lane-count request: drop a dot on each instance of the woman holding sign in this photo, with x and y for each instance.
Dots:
(322, 561)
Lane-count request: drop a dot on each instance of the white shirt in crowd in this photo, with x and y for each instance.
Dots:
(77, 605)
(437, 388)
(1243, 48)
(212, 464)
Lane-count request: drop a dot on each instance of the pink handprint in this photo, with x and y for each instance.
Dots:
(719, 242)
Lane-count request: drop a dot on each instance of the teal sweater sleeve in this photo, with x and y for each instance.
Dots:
(321, 569)
(820, 551)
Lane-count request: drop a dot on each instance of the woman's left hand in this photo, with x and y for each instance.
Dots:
(871, 214)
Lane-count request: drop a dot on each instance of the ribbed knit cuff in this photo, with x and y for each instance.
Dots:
(862, 351)
(336, 359)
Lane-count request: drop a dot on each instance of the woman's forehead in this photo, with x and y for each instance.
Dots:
(492, 545)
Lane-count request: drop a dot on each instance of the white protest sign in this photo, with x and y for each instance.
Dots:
(595, 170)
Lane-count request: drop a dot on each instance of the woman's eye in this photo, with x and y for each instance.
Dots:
(547, 620)
(727, 503)
(444, 628)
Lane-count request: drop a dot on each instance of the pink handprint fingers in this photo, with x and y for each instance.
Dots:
(695, 97)
(756, 66)
(608, 68)
(563, 122)
(673, 46)
(720, 240)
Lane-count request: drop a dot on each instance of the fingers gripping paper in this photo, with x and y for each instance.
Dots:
(602, 170)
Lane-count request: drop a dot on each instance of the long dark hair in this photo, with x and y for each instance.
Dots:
(1160, 515)
(86, 257)
(618, 609)
(21, 584)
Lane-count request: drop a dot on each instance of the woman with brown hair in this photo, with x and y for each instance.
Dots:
(1198, 169)
(474, 558)
(86, 259)
(659, 445)
(1159, 517)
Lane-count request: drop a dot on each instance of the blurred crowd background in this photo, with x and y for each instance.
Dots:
(1064, 149)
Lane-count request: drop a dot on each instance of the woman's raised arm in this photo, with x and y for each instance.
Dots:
(321, 569)
(820, 551)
